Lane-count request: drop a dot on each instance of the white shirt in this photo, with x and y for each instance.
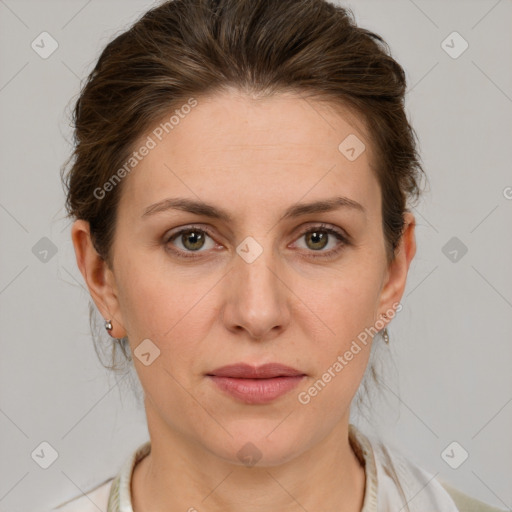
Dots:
(421, 491)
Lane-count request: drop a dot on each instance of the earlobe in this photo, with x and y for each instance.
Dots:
(98, 277)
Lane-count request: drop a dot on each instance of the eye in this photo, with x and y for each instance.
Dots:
(319, 237)
(191, 238)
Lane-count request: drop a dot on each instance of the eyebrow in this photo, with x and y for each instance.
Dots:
(208, 210)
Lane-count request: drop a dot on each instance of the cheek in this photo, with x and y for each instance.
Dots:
(345, 313)
(339, 360)
(171, 309)
(346, 305)
(148, 297)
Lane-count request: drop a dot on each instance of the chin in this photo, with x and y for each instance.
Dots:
(262, 443)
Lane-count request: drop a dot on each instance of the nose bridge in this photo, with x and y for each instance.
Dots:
(256, 268)
(257, 294)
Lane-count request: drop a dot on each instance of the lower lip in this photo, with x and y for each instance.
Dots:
(256, 391)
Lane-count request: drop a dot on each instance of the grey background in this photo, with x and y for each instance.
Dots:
(448, 378)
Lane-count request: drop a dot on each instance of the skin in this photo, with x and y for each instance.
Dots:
(254, 158)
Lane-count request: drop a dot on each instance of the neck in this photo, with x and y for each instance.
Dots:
(181, 475)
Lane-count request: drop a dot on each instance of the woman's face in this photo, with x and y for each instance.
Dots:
(250, 285)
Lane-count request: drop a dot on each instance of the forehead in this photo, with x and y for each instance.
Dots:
(231, 145)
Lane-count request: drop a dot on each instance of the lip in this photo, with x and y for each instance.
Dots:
(264, 371)
(256, 384)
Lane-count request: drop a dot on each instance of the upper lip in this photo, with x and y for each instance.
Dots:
(246, 371)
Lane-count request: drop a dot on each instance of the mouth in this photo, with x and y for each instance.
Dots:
(246, 371)
(256, 384)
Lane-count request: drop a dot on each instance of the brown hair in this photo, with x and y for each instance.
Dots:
(187, 48)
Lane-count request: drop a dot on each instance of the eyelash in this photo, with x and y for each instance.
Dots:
(320, 227)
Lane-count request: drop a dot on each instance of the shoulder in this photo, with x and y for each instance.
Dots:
(92, 501)
(467, 503)
(434, 491)
(113, 493)
(395, 480)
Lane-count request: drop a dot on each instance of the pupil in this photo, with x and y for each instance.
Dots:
(192, 236)
(319, 237)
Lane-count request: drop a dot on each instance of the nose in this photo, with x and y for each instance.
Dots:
(257, 297)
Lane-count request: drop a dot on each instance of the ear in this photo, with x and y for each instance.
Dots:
(396, 275)
(98, 277)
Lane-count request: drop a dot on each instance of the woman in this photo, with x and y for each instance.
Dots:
(240, 190)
